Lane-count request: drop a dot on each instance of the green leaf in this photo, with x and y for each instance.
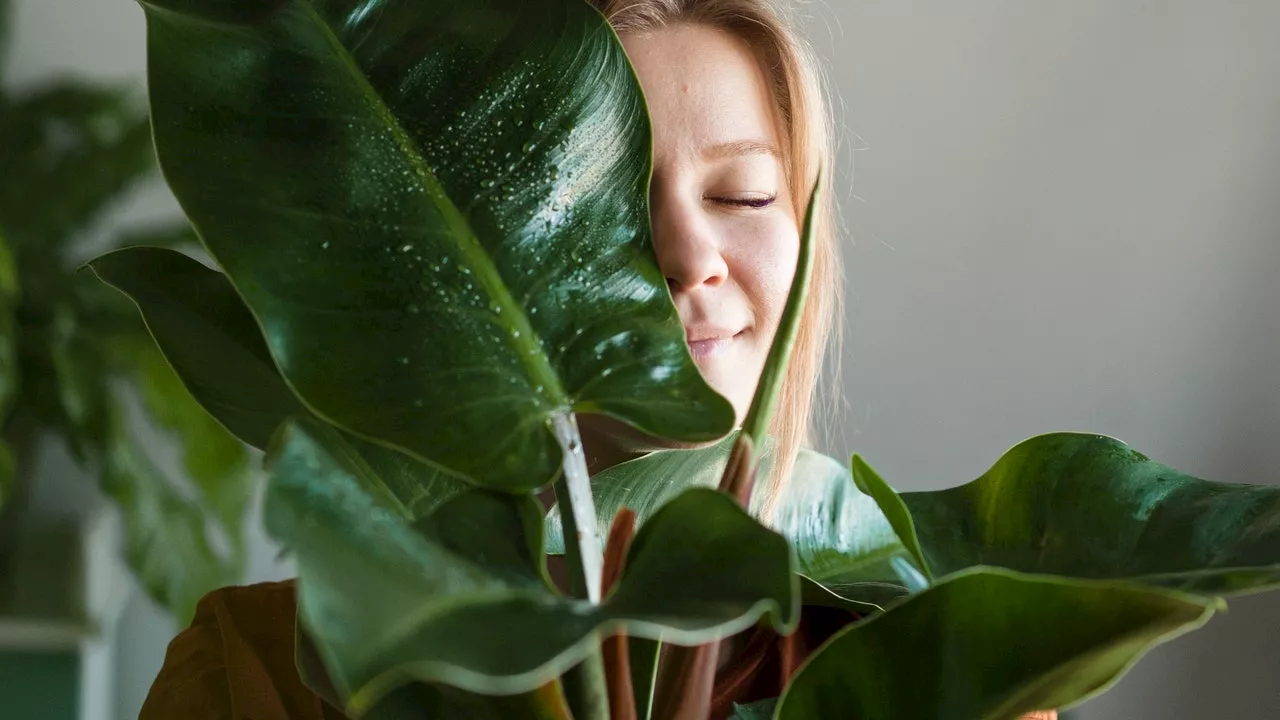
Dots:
(842, 540)
(895, 510)
(643, 656)
(166, 541)
(1092, 507)
(8, 473)
(172, 235)
(5, 23)
(213, 459)
(419, 701)
(769, 387)
(9, 284)
(216, 348)
(760, 710)
(438, 212)
(989, 644)
(81, 381)
(208, 335)
(78, 147)
(388, 602)
(10, 363)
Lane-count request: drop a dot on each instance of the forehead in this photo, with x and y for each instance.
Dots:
(704, 86)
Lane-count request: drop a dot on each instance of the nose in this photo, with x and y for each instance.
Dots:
(688, 249)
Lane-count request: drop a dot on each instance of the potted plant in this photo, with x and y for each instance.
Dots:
(72, 351)
(431, 262)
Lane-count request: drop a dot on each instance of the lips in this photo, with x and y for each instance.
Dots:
(709, 342)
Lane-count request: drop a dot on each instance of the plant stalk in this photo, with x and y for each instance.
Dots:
(617, 657)
(775, 366)
(585, 685)
(586, 689)
(582, 548)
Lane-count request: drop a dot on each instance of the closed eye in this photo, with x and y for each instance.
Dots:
(747, 202)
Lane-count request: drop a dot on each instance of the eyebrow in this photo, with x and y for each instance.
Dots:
(738, 148)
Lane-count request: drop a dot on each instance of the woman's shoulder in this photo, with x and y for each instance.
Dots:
(236, 660)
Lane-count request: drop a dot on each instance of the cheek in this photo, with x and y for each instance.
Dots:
(766, 263)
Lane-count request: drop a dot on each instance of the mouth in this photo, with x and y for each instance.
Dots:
(709, 345)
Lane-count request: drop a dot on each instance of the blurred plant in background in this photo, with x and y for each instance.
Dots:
(72, 349)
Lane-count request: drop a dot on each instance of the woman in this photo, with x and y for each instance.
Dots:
(740, 133)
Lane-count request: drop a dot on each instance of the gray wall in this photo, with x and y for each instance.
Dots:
(1066, 216)
(1060, 216)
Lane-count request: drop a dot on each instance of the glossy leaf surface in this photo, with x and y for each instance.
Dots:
(1092, 507)
(216, 348)
(841, 539)
(989, 644)
(388, 601)
(438, 214)
(208, 335)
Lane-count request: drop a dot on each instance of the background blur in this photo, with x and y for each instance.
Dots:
(1058, 217)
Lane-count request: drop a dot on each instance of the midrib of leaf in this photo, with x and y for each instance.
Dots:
(525, 341)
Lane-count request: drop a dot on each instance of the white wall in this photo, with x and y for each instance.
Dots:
(1063, 216)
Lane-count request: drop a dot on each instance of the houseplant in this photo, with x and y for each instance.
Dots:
(70, 349)
(431, 224)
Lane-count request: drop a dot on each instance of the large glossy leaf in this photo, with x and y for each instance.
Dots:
(842, 540)
(211, 340)
(420, 701)
(388, 602)
(989, 644)
(437, 212)
(1092, 507)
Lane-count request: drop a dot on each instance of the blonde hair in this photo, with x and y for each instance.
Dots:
(805, 115)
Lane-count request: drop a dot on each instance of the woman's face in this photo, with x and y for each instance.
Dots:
(724, 224)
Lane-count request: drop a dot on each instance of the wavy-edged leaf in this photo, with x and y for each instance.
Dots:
(842, 540)
(419, 701)
(214, 345)
(438, 214)
(388, 602)
(989, 644)
(1092, 507)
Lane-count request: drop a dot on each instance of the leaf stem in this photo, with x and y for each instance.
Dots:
(775, 366)
(586, 688)
(582, 547)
